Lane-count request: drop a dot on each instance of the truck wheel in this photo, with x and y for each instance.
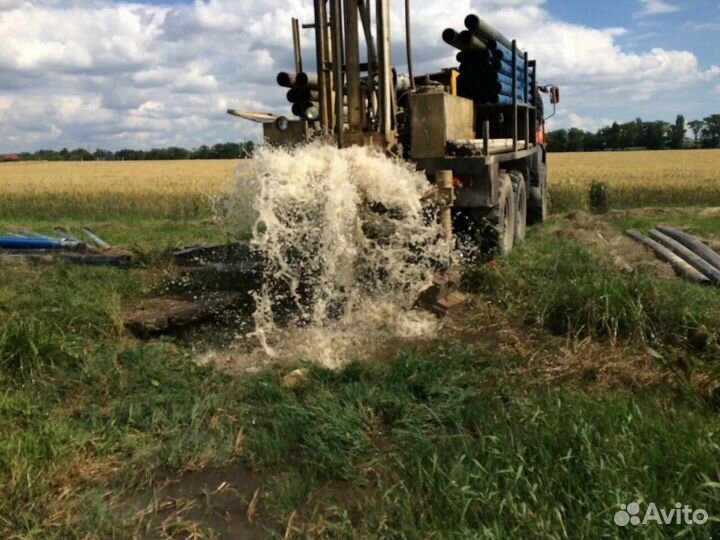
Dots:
(521, 207)
(538, 208)
(504, 217)
(538, 214)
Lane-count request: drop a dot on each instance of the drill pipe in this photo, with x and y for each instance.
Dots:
(286, 79)
(484, 31)
(451, 37)
(469, 42)
(472, 72)
(306, 79)
(301, 94)
(503, 53)
(472, 56)
(498, 66)
(308, 110)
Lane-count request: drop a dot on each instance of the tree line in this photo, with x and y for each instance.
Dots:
(228, 150)
(656, 135)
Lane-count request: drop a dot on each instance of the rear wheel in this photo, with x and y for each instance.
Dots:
(538, 209)
(521, 207)
(504, 217)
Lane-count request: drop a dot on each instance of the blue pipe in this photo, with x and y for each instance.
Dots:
(14, 242)
(497, 98)
(505, 54)
(492, 87)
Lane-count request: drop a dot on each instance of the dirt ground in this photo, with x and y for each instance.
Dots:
(596, 231)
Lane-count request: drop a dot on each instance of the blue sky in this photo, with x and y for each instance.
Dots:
(113, 74)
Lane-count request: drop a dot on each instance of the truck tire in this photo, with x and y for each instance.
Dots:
(538, 208)
(521, 206)
(504, 217)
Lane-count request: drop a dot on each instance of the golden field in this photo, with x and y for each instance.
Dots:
(149, 189)
(637, 179)
(124, 177)
(180, 188)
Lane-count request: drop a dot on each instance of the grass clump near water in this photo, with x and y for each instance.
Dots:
(570, 289)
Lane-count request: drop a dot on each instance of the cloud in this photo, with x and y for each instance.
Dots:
(118, 74)
(656, 7)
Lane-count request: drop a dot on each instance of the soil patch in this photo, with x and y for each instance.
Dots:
(219, 501)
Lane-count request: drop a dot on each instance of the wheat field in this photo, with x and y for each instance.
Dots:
(637, 179)
(153, 189)
(172, 189)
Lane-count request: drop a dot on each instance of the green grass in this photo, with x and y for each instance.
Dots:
(439, 446)
(435, 445)
(445, 443)
(569, 289)
(706, 227)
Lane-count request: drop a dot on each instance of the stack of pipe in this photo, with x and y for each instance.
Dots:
(689, 256)
(486, 64)
(302, 93)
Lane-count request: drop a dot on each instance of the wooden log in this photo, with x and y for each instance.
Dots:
(682, 268)
(700, 264)
(157, 315)
(693, 244)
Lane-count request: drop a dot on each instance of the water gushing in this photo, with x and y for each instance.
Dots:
(349, 241)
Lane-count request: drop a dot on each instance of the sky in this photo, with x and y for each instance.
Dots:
(112, 74)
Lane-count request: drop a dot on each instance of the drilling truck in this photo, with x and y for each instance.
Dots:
(476, 130)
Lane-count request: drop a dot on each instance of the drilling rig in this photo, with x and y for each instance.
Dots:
(476, 130)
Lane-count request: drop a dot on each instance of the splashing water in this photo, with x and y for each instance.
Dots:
(349, 241)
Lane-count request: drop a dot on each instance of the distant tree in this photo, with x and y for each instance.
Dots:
(576, 139)
(656, 135)
(558, 140)
(592, 142)
(677, 133)
(103, 155)
(711, 132)
(80, 154)
(247, 149)
(696, 126)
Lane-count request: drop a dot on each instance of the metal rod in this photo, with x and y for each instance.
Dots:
(99, 242)
(408, 44)
(365, 18)
(336, 37)
(527, 101)
(352, 65)
(514, 97)
(384, 70)
(486, 137)
(296, 45)
(321, 58)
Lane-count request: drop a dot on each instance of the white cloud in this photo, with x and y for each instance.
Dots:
(79, 72)
(656, 7)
